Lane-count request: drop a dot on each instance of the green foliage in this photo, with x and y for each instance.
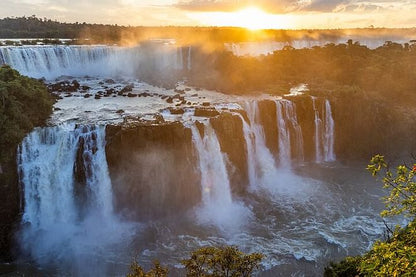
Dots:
(346, 268)
(224, 261)
(402, 186)
(397, 255)
(157, 271)
(24, 104)
(208, 261)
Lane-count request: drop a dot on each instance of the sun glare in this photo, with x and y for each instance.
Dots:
(252, 18)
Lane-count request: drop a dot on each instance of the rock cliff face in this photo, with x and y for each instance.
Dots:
(366, 126)
(152, 168)
(229, 130)
(9, 209)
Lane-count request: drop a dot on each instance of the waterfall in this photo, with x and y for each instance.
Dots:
(288, 123)
(329, 155)
(260, 161)
(103, 61)
(189, 63)
(324, 132)
(218, 207)
(68, 209)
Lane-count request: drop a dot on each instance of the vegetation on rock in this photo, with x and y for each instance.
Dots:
(24, 104)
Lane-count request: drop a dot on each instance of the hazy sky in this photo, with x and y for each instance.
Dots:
(280, 13)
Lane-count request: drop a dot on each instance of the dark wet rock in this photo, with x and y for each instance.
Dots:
(180, 91)
(57, 109)
(164, 97)
(97, 96)
(169, 100)
(194, 95)
(229, 130)
(120, 111)
(206, 104)
(75, 84)
(85, 87)
(64, 86)
(187, 89)
(203, 112)
(131, 95)
(110, 81)
(144, 94)
(151, 166)
(159, 119)
(68, 95)
(110, 91)
(128, 88)
(87, 95)
(176, 110)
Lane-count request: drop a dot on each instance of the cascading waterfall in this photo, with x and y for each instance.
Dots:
(318, 132)
(218, 207)
(262, 171)
(288, 123)
(104, 61)
(324, 132)
(260, 161)
(284, 136)
(329, 154)
(68, 209)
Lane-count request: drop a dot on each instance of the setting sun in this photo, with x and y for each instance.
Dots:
(252, 18)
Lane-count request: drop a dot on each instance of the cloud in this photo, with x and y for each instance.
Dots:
(276, 6)
(288, 6)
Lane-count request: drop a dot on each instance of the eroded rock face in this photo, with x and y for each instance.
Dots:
(152, 168)
(9, 209)
(268, 119)
(229, 130)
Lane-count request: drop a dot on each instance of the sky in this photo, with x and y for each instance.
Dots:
(275, 14)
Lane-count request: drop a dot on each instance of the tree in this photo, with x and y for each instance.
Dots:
(157, 271)
(402, 186)
(397, 255)
(226, 261)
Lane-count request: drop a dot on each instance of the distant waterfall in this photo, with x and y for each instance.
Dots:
(189, 61)
(103, 61)
(67, 192)
(289, 130)
(324, 132)
(218, 207)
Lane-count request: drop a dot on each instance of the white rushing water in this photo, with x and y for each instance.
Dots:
(324, 131)
(218, 207)
(66, 220)
(289, 132)
(106, 61)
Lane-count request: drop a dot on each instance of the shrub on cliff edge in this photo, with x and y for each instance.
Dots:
(24, 104)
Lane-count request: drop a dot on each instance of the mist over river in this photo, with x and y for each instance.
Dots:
(126, 169)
